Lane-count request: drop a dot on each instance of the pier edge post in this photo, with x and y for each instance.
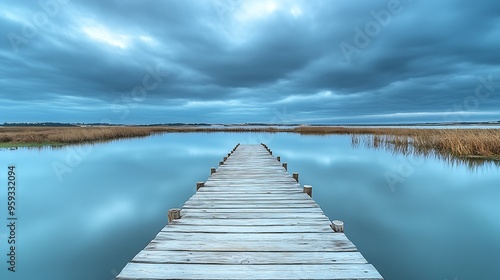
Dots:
(174, 214)
(285, 165)
(199, 185)
(278, 158)
(212, 170)
(337, 226)
(308, 190)
(295, 176)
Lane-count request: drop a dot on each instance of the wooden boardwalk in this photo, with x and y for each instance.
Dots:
(250, 220)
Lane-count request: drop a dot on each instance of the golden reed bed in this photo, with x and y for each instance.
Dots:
(460, 143)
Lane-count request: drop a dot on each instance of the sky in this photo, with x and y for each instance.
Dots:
(250, 61)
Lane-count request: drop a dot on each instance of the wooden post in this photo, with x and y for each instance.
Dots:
(271, 152)
(228, 155)
(308, 189)
(337, 226)
(224, 159)
(221, 163)
(278, 158)
(285, 165)
(296, 176)
(212, 170)
(199, 185)
(174, 214)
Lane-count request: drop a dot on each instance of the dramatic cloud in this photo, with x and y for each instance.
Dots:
(233, 61)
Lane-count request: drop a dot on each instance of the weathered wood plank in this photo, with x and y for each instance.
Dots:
(208, 205)
(259, 197)
(251, 201)
(256, 211)
(252, 258)
(251, 215)
(253, 246)
(251, 222)
(146, 271)
(255, 229)
(271, 237)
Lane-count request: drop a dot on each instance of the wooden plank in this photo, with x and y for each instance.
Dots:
(251, 215)
(271, 237)
(266, 258)
(251, 202)
(251, 222)
(209, 205)
(255, 211)
(250, 190)
(243, 229)
(272, 201)
(147, 271)
(252, 246)
(245, 196)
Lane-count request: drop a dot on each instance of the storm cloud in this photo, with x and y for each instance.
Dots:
(235, 61)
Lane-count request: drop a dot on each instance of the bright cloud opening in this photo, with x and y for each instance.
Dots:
(296, 11)
(99, 33)
(253, 10)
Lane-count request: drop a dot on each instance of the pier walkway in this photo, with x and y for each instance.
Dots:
(250, 220)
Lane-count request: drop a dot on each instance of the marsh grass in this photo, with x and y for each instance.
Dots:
(23, 136)
(472, 147)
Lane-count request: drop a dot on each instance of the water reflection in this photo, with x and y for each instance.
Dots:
(89, 222)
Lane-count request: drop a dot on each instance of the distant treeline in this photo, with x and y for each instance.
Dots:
(52, 124)
(58, 124)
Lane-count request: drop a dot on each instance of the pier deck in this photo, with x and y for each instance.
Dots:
(250, 220)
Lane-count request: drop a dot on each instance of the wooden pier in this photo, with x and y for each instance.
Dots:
(250, 220)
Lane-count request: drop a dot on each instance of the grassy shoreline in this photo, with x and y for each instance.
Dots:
(459, 143)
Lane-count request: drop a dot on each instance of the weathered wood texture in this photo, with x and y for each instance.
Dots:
(250, 220)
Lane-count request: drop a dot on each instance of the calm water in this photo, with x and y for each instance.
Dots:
(84, 212)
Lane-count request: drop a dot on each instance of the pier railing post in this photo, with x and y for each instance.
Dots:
(285, 165)
(278, 159)
(337, 226)
(296, 176)
(199, 185)
(212, 170)
(308, 189)
(174, 214)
